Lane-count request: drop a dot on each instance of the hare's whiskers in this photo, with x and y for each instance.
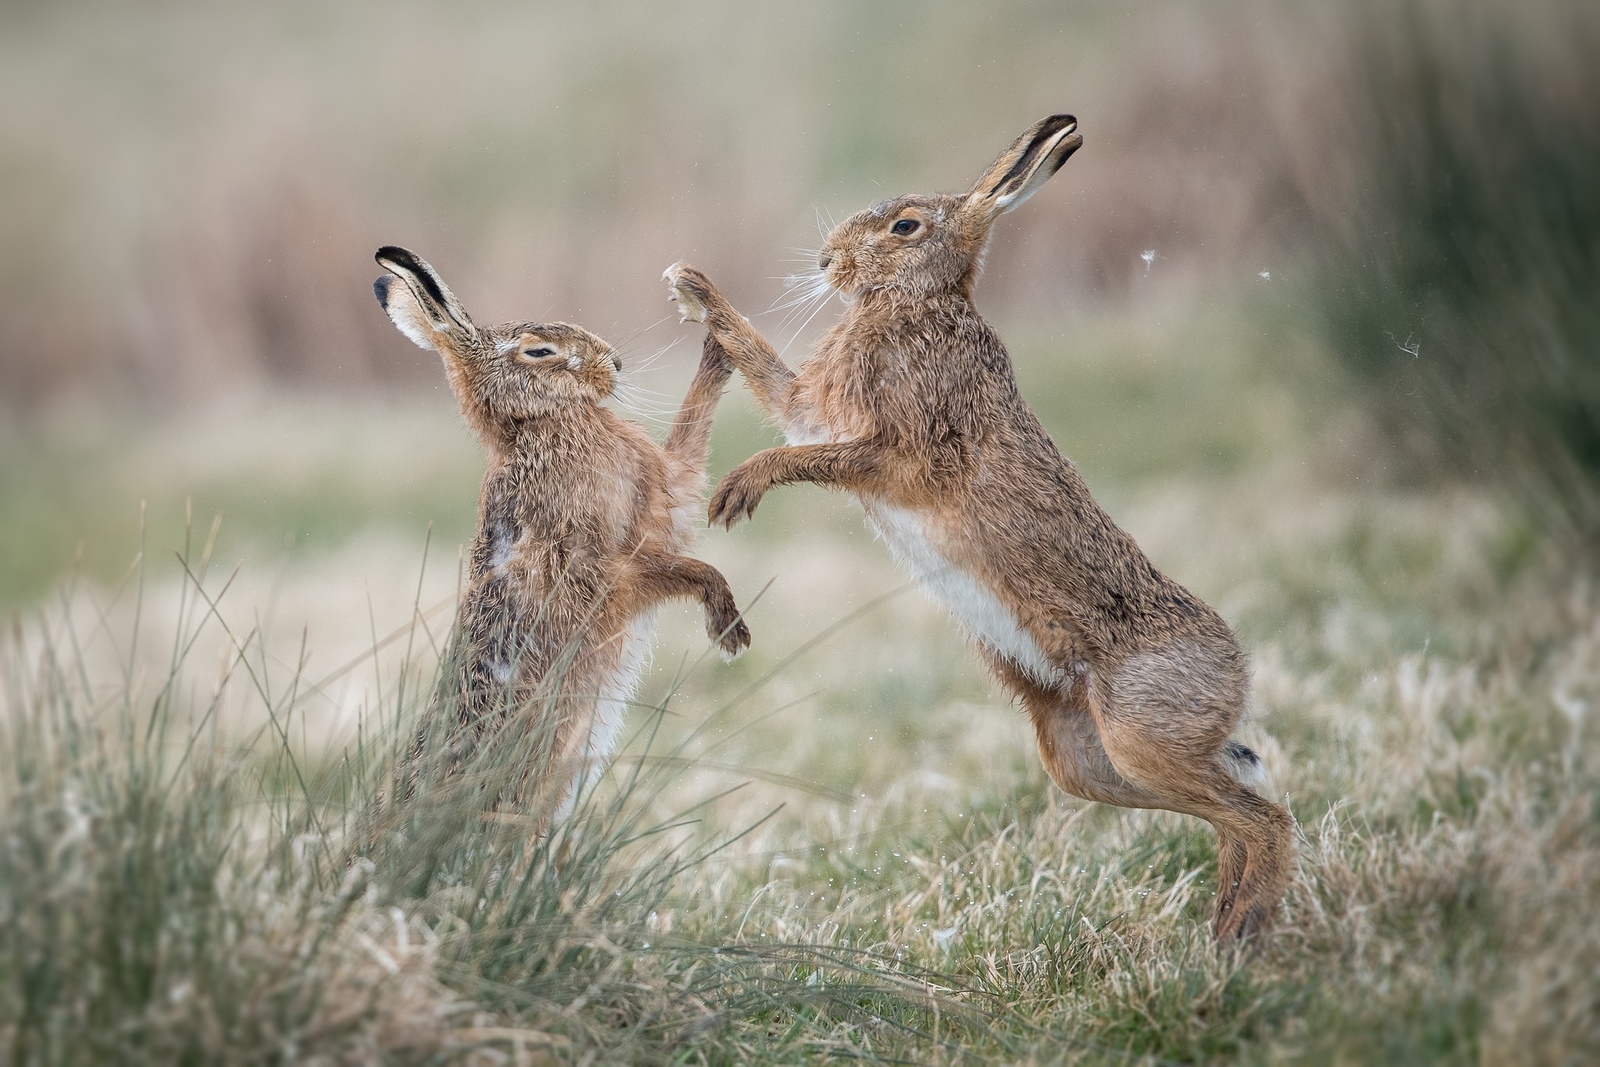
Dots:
(643, 405)
(821, 303)
(644, 363)
(810, 287)
(639, 331)
(800, 287)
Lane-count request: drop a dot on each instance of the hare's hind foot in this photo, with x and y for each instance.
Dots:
(1232, 857)
(1255, 858)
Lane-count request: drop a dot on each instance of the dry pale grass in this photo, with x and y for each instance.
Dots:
(899, 880)
(841, 844)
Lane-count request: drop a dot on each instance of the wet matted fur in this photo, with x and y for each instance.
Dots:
(583, 522)
(910, 403)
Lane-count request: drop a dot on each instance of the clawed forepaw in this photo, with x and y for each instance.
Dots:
(733, 639)
(687, 286)
(735, 499)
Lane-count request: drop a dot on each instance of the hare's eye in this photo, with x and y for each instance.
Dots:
(539, 353)
(905, 226)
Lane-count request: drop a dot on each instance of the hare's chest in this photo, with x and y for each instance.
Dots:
(554, 511)
(499, 527)
(985, 617)
(836, 399)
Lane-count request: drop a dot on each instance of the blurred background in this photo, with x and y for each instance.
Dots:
(1311, 251)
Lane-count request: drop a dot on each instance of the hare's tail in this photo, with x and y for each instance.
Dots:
(1244, 765)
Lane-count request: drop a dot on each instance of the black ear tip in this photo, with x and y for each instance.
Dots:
(381, 289)
(395, 254)
(1060, 122)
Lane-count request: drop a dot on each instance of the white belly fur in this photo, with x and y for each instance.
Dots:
(611, 707)
(971, 602)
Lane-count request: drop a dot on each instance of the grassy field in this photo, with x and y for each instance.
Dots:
(839, 845)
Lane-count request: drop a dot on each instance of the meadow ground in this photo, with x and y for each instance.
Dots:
(842, 844)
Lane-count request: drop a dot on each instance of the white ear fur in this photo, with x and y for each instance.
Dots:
(407, 315)
(1025, 166)
(434, 305)
(1042, 172)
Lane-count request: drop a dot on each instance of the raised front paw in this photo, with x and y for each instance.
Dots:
(691, 289)
(737, 496)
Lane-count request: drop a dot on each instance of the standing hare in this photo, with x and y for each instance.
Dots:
(909, 402)
(582, 525)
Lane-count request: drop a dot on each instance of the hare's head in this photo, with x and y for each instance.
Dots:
(925, 244)
(504, 373)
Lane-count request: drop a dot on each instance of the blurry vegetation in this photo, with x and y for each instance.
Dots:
(289, 479)
(1460, 268)
(247, 159)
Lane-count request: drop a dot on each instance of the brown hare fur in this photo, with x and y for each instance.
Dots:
(1133, 684)
(582, 525)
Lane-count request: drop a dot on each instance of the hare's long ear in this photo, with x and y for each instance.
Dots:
(1025, 166)
(424, 309)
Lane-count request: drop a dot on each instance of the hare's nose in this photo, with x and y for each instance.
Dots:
(616, 361)
(823, 260)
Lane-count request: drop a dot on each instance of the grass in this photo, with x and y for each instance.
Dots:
(294, 479)
(841, 845)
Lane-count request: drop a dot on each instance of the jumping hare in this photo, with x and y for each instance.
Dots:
(1133, 684)
(582, 523)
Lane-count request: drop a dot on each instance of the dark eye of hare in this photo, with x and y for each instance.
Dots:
(540, 352)
(905, 226)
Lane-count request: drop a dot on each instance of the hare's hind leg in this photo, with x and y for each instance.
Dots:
(1233, 856)
(1268, 866)
(1069, 744)
(1255, 846)
(1166, 735)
